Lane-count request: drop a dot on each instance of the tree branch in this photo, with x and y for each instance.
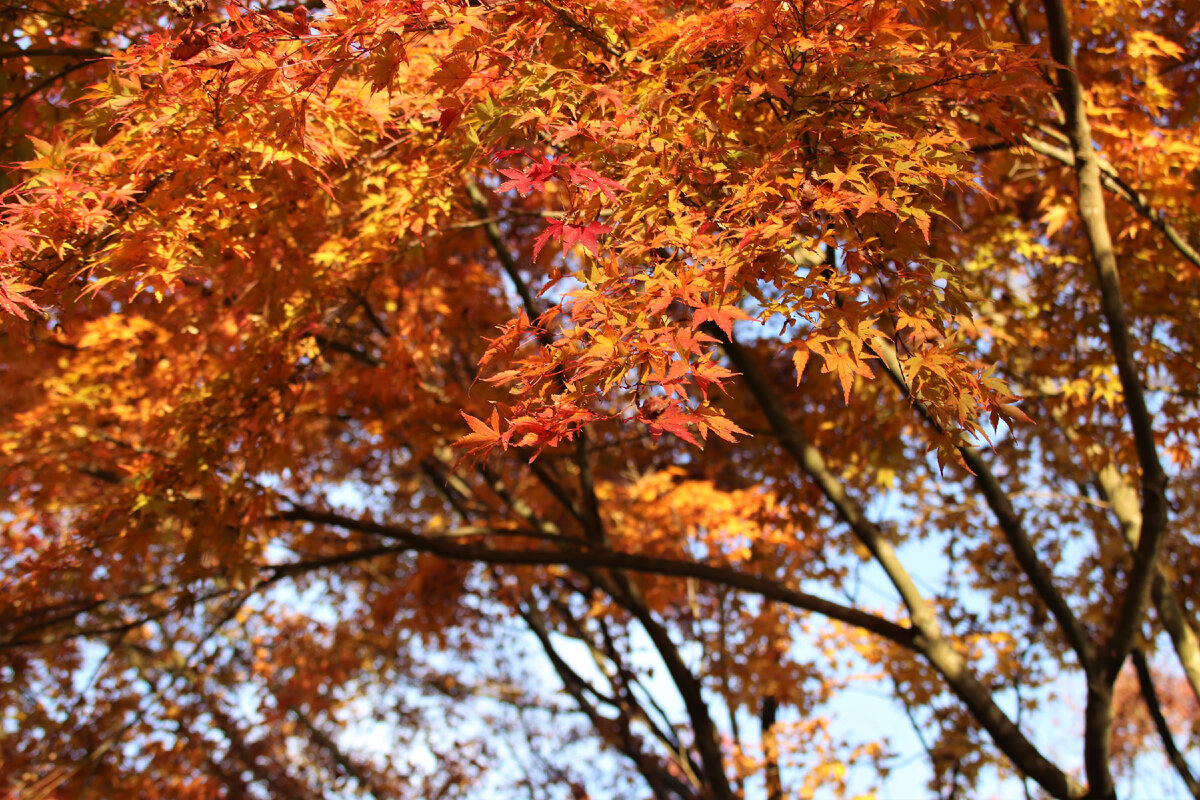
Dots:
(607, 657)
(1146, 682)
(770, 744)
(492, 229)
(1122, 501)
(1092, 212)
(89, 53)
(704, 731)
(1008, 520)
(1098, 717)
(582, 556)
(927, 633)
(49, 80)
(344, 762)
(796, 444)
(590, 518)
(1113, 181)
(659, 779)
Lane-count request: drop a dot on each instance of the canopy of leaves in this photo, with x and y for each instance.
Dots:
(368, 365)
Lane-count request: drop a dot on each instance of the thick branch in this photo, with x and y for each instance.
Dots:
(88, 53)
(690, 690)
(1116, 490)
(928, 638)
(796, 444)
(1092, 213)
(1098, 717)
(1146, 682)
(1122, 501)
(581, 557)
(1009, 522)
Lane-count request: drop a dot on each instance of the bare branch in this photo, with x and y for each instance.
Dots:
(608, 659)
(344, 762)
(511, 268)
(45, 83)
(704, 731)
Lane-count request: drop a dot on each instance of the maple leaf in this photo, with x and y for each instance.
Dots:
(723, 317)
(191, 43)
(568, 235)
(553, 231)
(525, 181)
(448, 117)
(591, 180)
(14, 238)
(451, 75)
(502, 154)
(847, 365)
(800, 358)
(218, 56)
(724, 427)
(668, 417)
(484, 436)
(922, 219)
(563, 133)
(12, 298)
(585, 235)
(706, 373)
(519, 181)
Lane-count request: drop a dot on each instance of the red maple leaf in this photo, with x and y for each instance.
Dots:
(553, 231)
(585, 235)
(534, 177)
(591, 180)
(11, 298)
(569, 235)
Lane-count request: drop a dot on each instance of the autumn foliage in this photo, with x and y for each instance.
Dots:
(584, 398)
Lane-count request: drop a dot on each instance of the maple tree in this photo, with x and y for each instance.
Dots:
(368, 361)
